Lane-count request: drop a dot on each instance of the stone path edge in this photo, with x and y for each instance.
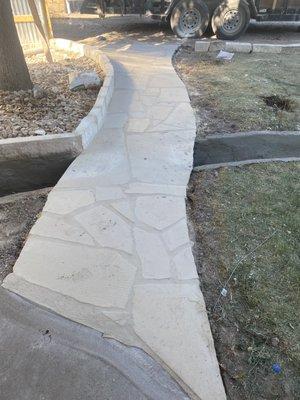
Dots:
(71, 143)
(203, 46)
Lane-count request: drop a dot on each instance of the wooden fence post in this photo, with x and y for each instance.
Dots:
(39, 25)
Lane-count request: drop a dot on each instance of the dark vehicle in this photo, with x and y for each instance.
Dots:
(228, 19)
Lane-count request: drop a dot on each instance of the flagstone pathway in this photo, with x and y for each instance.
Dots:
(111, 249)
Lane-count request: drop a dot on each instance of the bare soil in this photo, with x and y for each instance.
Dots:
(253, 92)
(246, 226)
(59, 110)
(18, 213)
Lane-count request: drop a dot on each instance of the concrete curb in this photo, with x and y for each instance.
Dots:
(246, 148)
(64, 147)
(203, 46)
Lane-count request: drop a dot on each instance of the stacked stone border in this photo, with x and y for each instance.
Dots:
(218, 151)
(73, 143)
(203, 46)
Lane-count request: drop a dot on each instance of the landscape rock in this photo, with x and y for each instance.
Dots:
(38, 92)
(40, 132)
(84, 80)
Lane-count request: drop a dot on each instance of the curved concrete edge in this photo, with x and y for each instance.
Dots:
(205, 45)
(265, 145)
(24, 324)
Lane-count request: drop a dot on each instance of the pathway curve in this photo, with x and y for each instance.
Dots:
(111, 249)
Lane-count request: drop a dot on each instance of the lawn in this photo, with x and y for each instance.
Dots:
(247, 228)
(253, 92)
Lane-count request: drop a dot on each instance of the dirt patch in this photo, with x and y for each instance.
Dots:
(280, 103)
(253, 92)
(18, 213)
(247, 242)
(59, 110)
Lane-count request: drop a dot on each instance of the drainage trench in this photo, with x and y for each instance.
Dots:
(30, 174)
(218, 150)
(25, 183)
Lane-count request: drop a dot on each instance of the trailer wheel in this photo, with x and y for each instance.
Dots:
(189, 18)
(230, 19)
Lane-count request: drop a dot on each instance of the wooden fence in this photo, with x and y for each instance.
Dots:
(32, 22)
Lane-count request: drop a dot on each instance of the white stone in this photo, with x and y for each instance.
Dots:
(146, 188)
(176, 95)
(159, 211)
(202, 45)
(124, 208)
(109, 193)
(107, 167)
(85, 80)
(107, 228)
(165, 80)
(163, 158)
(96, 276)
(153, 255)
(40, 132)
(120, 317)
(115, 120)
(177, 235)
(184, 264)
(137, 124)
(58, 228)
(67, 201)
(238, 47)
(266, 48)
(171, 319)
(185, 122)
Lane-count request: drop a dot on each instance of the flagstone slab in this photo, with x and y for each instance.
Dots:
(184, 264)
(154, 257)
(107, 228)
(160, 211)
(67, 201)
(96, 276)
(188, 351)
(59, 228)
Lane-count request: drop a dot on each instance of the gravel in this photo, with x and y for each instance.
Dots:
(58, 110)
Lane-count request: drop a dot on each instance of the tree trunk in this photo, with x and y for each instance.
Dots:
(14, 73)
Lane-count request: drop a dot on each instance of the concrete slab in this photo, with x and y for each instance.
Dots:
(116, 255)
(45, 356)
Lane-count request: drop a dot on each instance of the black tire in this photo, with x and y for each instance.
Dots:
(230, 19)
(189, 18)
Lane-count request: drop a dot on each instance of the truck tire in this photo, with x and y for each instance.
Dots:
(230, 19)
(189, 18)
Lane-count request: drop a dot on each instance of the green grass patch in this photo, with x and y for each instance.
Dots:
(248, 227)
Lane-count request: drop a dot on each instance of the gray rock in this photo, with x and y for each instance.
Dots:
(84, 80)
(40, 132)
(38, 92)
